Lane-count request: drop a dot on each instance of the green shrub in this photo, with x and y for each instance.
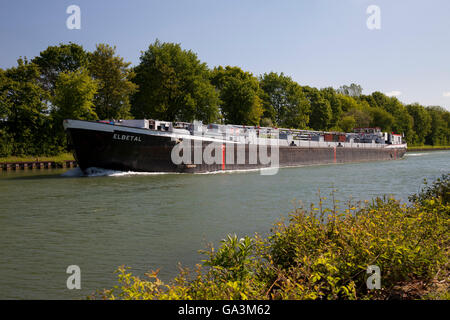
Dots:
(319, 253)
(440, 190)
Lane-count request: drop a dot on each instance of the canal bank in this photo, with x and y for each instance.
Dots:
(23, 165)
(411, 149)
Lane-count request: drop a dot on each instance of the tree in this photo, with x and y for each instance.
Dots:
(5, 106)
(422, 122)
(403, 121)
(56, 59)
(335, 103)
(347, 123)
(173, 85)
(380, 99)
(320, 117)
(285, 97)
(381, 118)
(370, 100)
(74, 96)
(239, 95)
(362, 117)
(112, 100)
(439, 133)
(347, 103)
(23, 107)
(6, 140)
(354, 90)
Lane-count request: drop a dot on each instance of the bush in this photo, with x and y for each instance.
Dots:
(439, 190)
(319, 254)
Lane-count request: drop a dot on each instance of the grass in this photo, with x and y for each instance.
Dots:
(427, 147)
(58, 158)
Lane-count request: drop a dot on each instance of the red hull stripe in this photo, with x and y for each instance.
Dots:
(223, 157)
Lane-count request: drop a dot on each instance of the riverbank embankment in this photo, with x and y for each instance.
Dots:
(428, 148)
(24, 165)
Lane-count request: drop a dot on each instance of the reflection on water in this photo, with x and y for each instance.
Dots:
(50, 219)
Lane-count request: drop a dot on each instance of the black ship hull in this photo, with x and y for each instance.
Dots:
(119, 149)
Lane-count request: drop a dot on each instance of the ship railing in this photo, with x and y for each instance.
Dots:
(324, 144)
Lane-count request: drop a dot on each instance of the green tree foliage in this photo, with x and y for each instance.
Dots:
(23, 108)
(113, 75)
(6, 140)
(284, 101)
(239, 95)
(404, 124)
(403, 121)
(173, 85)
(56, 59)
(439, 133)
(74, 95)
(5, 103)
(347, 123)
(422, 123)
(170, 83)
(381, 118)
(335, 103)
(353, 90)
(362, 117)
(348, 103)
(321, 113)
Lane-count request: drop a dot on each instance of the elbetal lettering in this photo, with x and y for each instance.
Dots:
(126, 137)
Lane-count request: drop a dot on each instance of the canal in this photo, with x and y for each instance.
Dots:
(50, 219)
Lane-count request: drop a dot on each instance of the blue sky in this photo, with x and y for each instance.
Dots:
(317, 42)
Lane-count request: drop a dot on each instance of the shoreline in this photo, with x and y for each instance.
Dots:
(409, 149)
(23, 165)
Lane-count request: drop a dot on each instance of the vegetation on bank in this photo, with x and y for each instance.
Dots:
(322, 253)
(170, 83)
(425, 147)
(58, 158)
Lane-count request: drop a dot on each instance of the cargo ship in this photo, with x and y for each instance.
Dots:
(165, 146)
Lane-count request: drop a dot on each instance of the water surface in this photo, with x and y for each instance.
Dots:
(50, 219)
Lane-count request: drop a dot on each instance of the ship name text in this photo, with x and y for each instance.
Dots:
(126, 137)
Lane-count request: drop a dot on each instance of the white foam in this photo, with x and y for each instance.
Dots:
(234, 171)
(135, 173)
(416, 154)
(99, 172)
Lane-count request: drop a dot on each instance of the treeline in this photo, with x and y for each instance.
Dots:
(170, 83)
